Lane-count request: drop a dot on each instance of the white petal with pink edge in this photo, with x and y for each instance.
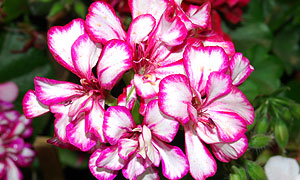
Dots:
(32, 107)
(100, 173)
(9, 91)
(174, 95)
(140, 28)
(115, 59)
(228, 46)
(199, 62)
(60, 40)
(240, 69)
(149, 174)
(85, 54)
(2, 169)
(230, 126)
(61, 120)
(174, 163)
(228, 151)
(50, 91)
(161, 125)
(127, 147)
(77, 136)
(171, 31)
(134, 167)
(200, 16)
(202, 164)
(110, 159)
(155, 8)
(218, 85)
(94, 120)
(26, 157)
(151, 151)
(235, 102)
(102, 23)
(128, 97)
(12, 171)
(80, 104)
(146, 85)
(118, 123)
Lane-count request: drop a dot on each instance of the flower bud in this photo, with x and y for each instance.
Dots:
(234, 177)
(281, 133)
(262, 126)
(260, 141)
(240, 172)
(255, 171)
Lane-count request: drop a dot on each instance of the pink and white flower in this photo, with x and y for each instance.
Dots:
(210, 107)
(78, 109)
(138, 148)
(14, 127)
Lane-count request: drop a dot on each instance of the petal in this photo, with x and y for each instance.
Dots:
(202, 164)
(100, 173)
(128, 97)
(26, 157)
(230, 126)
(115, 59)
(127, 147)
(61, 120)
(240, 69)
(279, 167)
(85, 54)
(228, 46)
(155, 8)
(161, 126)
(152, 153)
(149, 174)
(174, 162)
(235, 102)
(227, 151)
(118, 123)
(60, 40)
(14, 145)
(140, 28)
(200, 16)
(174, 95)
(94, 120)
(218, 85)
(102, 23)
(171, 31)
(80, 104)
(146, 86)
(32, 107)
(12, 171)
(77, 136)
(2, 169)
(9, 91)
(110, 159)
(134, 167)
(50, 91)
(199, 62)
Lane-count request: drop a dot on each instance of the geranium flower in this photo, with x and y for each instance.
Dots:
(136, 149)
(209, 106)
(279, 167)
(14, 127)
(78, 109)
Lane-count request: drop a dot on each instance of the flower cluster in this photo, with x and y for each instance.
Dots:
(14, 127)
(186, 72)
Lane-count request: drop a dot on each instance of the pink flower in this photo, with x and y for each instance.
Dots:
(14, 127)
(78, 109)
(209, 105)
(138, 148)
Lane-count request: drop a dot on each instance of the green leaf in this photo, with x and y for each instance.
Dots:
(80, 9)
(281, 133)
(74, 159)
(135, 113)
(249, 35)
(56, 8)
(14, 8)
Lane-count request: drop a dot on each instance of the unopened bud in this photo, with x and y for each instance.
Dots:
(262, 126)
(234, 177)
(260, 141)
(255, 171)
(281, 133)
(240, 171)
